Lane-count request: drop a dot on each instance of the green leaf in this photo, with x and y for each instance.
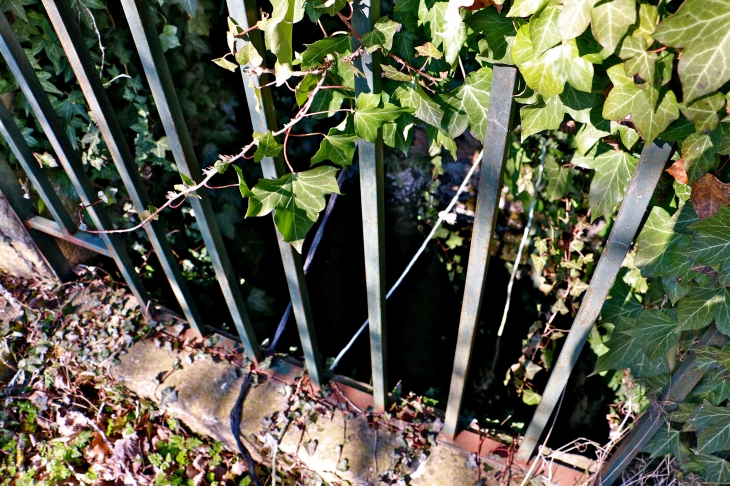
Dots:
(700, 154)
(703, 112)
(337, 147)
(716, 437)
(611, 19)
(249, 55)
(15, 7)
(545, 115)
(242, 186)
(711, 243)
(544, 32)
(189, 6)
(429, 50)
(638, 60)
(392, 73)
(701, 306)
(525, 8)
(370, 116)
(399, 134)
(266, 146)
(442, 23)
(499, 35)
(560, 180)
(169, 40)
(622, 308)
(666, 441)
(656, 237)
(699, 28)
(411, 95)
(627, 99)
(331, 7)
(381, 37)
(623, 352)
(315, 53)
(278, 35)
(613, 172)
(574, 19)
(467, 106)
(306, 86)
(297, 200)
(713, 469)
(225, 64)
(678, 130)
(657, 331)
(404, 43)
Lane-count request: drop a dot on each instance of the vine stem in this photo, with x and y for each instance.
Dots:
(208, 172)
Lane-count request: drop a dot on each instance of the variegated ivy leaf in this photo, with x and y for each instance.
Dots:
(613, 172)
(499, 35)
(370, 115)
(574, 19)
(700, 154)
(266, 146)
(297, 200)
(560, 180)
(411, 95)
(611, 19)
(699, 28)
(467, 106)
(248, 55)
(626, 99)
(428, 50)
(545, 115)
(544, 32)
(446, 32)
(381, 37)
(656, 237)
(648, 20)
(278, 35)
(638, 60)
(701, 306)
(392, 73)
(525, 8)
(703, 112)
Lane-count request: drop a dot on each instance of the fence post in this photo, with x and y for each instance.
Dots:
(370, 156)
(141, 22)
(645, 178)
(78, 56)
(681, 384)
(499, 115)
(24, 74)
(263, 119)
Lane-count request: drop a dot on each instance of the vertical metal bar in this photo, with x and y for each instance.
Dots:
(370, 155)
(146, 38)
(490, 186)
(78, 56)
(263, 119)
(681, 384)
(25, 75)
(10, 132)
(23, 208)
(645, 178)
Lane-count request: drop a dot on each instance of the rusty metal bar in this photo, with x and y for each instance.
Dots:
(10, 132)
(499, 116)
(263, 119)
(142, 24)
(681, 384)
(24, 74)
(644, 181)
(370, 156)
(78, 56)
(84, 240)
(14, 196)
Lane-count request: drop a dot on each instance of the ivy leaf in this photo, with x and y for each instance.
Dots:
(666, 441)
(699, 28)
(331, 7)
(444, 30)
(613, 171)
(638, 60)
(169, 40)
(715, 437)
(545, 115)
(544, 32)
(278, 35)
(611, 20)
(315, 53)
(525, 8)
(381, 37)
(404, 44)
(297, 200)
(16, 7)
(398, 134)
(337, 147)
(578, 104)
(711, 243)
(560, 180)
(467, 106)
(656, 237)
(305, 86)
(623, 352)
(248, 55)
(703, 112)
(648, 18)
(701, 306)
(266, 146)
(242, 186)
(190, 6)
(429, 50)
(392, 73)
(678, 130)
(369, 116)
(499, 35)
(411, 95)
(657, 331)
(700, 154)
(622, 308)
(712, 469)
(574, 19)
(627, 99)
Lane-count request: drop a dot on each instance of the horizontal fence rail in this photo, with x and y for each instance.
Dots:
(499, 115)
(263, 119)
(646, 176)
(146, 38)
(24, 74)
(78, 55)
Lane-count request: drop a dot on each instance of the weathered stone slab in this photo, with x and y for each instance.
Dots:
(19, 255)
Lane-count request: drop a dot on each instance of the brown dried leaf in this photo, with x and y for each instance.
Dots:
(708, 194)
(100, 450)
(677, 171)
(479, 4)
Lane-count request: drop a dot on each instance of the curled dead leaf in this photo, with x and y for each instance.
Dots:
(708, 194)
(479, 4)
(678, 172)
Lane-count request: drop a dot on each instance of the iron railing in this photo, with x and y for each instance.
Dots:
(245, 13)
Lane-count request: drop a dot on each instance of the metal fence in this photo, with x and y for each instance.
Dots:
(140, 19)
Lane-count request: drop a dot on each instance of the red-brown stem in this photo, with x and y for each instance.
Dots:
(286, 157)
(306, 134)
